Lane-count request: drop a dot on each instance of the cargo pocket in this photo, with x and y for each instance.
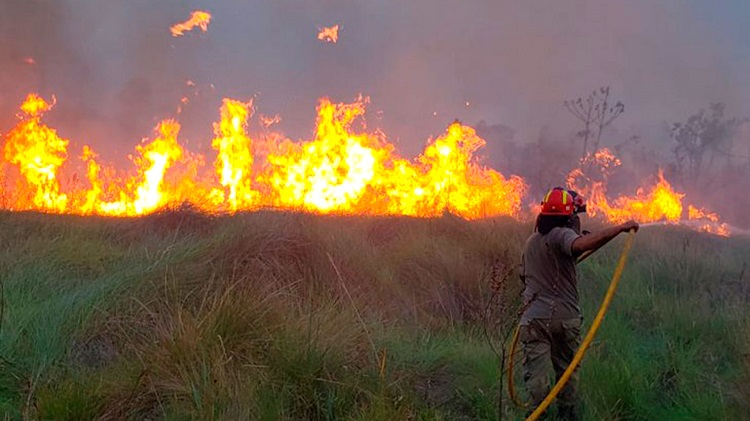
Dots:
(572, 331)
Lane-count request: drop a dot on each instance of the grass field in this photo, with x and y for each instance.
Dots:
(293, 316)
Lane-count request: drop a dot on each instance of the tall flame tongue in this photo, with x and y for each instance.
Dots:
(39, 152)
(144, 192)
(158, 156)
(92, 196)
(235, 160)
(341, 170)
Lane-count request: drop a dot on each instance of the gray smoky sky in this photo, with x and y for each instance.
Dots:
(116, 70)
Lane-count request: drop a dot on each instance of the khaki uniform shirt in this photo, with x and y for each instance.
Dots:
(549, 275)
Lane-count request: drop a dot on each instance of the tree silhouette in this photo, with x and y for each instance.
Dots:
(596, 113)
(705, 132)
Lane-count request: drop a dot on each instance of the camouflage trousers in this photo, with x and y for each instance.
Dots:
(551, 343)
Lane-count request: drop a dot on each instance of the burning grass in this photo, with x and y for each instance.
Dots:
(345, 169)
(278, 315)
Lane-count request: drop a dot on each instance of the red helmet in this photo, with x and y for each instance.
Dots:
(559, 201)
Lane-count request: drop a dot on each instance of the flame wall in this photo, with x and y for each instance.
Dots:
(341, 169)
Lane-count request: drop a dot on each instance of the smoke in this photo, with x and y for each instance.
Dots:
(116, 70)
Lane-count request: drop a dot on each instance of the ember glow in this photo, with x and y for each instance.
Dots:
(340, 170)
(198, 19)
(329, 34)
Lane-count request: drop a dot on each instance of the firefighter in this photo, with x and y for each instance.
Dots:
(550, 326)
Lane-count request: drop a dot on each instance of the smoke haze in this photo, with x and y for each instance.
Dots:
(116, 70)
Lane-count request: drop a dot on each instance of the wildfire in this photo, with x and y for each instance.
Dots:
(235, 159)
(138, 194)
(657, 203)
(341, 170)
(329, 34)
(708, 221)
(198, 18)
(345, 171)
(38, 152)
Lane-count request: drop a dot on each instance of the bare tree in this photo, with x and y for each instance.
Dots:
(596, 113)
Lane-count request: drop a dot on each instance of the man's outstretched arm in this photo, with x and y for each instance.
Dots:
(596, 240)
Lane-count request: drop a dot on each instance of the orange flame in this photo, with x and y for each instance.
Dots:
(235, 159)
(198, 18)
(329, 34)
(94, 169)
(340, 170)
(142, 193)
(708, 221)
(38, 152)
(659, 202)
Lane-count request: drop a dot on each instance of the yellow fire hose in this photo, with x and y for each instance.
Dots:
(581, 349)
